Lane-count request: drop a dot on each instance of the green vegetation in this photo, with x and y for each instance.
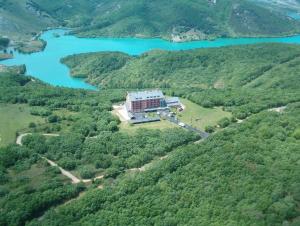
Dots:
(246, 174)
(242, 79)
(186, 20)
(28, 186)
(4, 42)
(89, 144)
(133, 129)
(177, 20)
(108, 151)
(21, 19)
(32, 46)
(93, 65)
(201, 117)
(14, 118)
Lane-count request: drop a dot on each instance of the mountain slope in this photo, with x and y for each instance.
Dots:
(245, 79)
(20, 19)
(185, 20)
(176, 20)
(245, 175)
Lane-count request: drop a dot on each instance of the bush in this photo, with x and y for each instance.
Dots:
(103, 164)
(207, 104)
(52, 171)
(87, 172)
(67, 164)
(3, 178)
(40, 111)
(112, 173)
(32, 125)
(296, 134)
(4, 42)
(209, 129)
(223, 123)
(53, 118)
(3, 191)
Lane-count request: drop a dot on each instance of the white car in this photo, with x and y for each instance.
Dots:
(181, 124)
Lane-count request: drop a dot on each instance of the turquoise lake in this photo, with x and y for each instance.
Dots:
(46, 65)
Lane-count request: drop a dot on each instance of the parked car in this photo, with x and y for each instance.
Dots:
(181, 124)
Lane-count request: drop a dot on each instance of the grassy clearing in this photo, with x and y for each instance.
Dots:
(201, 117)
(35, 175)
(13, 118)
(193, 114)
(126, 127)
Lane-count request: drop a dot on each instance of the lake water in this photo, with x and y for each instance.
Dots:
(294, 15)
(47, 67)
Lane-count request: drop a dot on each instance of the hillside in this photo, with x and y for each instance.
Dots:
(89, 144)
(244, 174)
(236, 77)
(176, 20)
(20, 19)
(187, 20)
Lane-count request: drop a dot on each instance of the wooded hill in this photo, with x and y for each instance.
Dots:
(245, 79)
(177, 20)
(244, 174)
(89, 145)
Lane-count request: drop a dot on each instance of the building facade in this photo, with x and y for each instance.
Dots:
(143, 101)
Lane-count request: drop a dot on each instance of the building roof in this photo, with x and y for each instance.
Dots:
(145, 95)
(172, 100)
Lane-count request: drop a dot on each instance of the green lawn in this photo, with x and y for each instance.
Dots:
(193, 114)
(201, 117)
(13, 118)
(126, 127)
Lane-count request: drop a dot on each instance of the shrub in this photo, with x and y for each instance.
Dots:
(87, 172)
(296, 134)
(67, 164)
(103, 164)
(3, 191)
(53, 118)
(112, 173)
(32, 125)
(209, 129)
(224, 122)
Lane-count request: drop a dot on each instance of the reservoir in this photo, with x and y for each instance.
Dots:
(46, 65)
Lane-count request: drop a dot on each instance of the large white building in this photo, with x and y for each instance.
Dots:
(143, 101)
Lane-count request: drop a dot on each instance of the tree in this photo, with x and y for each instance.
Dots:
(87, 172)
(53, 118)
(32, 125)
(224, 122)
(209, 129)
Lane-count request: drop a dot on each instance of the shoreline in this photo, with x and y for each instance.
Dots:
(161, 44)
(144, 37)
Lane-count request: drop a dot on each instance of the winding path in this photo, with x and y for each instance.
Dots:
(66, 173)
(21, 136)
(75, 180)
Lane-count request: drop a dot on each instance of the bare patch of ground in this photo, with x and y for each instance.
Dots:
(121, 112)
(278, 109)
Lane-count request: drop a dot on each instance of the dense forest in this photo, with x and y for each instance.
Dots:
(175, 20)
(243, 79)
(245, 175)
(67, 159)
(89, 145)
